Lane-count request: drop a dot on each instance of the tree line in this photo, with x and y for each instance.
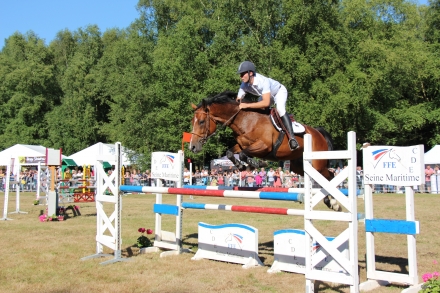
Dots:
(367, 66)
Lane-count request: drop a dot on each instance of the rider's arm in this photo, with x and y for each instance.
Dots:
(241, 94)
(264, 103)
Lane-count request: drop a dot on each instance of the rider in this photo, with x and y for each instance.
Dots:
(270, 91)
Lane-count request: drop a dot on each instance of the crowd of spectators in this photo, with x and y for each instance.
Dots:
(27, 179)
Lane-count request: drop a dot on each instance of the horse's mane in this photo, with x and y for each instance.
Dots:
(225, 97)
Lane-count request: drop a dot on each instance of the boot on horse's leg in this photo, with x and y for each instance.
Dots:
(293, 144)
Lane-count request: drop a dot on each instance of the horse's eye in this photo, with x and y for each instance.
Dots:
(202, 121)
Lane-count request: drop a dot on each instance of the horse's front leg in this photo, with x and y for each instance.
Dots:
(258, 148)
(230, 154)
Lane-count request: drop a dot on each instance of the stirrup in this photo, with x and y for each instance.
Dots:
(295, 144)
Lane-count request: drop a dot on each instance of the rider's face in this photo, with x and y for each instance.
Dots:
(245, 76)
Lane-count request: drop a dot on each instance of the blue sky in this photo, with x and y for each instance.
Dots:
(47, 17)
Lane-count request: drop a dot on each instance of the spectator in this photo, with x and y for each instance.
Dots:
(127, 178)
(229, 179)
(277, 179)
(263, 176)
(79, 173)
(186, 176)
(134, 178)
(270, 177)
(220, 180)
(2, 178)
(204, 176)
(258, 180)
(428, 173)
(243, 178)
(250, 178)
(235, 178)
(359, 176)
(214, 181)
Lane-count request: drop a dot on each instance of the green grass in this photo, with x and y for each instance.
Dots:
(45, 257)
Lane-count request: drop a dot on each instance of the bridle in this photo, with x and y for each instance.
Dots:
(205, 137)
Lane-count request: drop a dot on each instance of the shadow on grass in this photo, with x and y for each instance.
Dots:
(266, 247)
(191, 240)
(401, 262)
(90, 215)
(334, 288)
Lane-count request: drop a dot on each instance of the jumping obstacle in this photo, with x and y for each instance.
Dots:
(333, 246)
(108, 226)
(348, 274)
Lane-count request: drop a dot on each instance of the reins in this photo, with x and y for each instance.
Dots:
(232, 117)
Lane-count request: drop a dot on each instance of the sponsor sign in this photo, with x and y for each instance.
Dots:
(400, 166)
(32, 160)
(290, 253)
(168, 166)
(235, 243)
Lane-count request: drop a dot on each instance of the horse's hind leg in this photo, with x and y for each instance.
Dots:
(328, 200)
(252, 162)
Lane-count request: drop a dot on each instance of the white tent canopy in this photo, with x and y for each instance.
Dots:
(88, 156)
(433, 155)
(26, 155)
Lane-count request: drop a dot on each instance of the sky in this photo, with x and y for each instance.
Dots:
(47, 17)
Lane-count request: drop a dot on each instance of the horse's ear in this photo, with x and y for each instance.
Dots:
(204, 104)
(193, 106)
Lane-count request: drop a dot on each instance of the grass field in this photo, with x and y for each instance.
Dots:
(45, 257)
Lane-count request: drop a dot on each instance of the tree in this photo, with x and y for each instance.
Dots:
(28, 90)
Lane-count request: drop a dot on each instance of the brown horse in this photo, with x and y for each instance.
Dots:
(255, 136)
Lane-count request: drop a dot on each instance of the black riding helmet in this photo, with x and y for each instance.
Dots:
(246, 66)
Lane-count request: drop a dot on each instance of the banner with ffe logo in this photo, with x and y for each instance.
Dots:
(167, 166)
(400, 166)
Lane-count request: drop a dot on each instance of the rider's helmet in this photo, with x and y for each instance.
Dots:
(246, 66)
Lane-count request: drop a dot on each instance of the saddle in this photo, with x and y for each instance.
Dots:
(278, 124)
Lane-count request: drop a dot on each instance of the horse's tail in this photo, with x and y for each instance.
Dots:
(327, 137)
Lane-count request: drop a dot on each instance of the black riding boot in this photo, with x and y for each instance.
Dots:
(293, 144)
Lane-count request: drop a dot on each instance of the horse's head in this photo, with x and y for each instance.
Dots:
(203, 126)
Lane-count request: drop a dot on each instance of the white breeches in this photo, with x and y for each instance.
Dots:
(280, 100)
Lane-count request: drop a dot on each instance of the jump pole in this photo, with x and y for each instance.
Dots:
(8, 178)
(216, 193)
(243, 209)
(359, 192)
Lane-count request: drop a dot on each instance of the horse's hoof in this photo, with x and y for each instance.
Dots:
(337, 208)
(327, 202)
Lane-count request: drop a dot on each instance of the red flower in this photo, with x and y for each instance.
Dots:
(142, 230)
(149, 231)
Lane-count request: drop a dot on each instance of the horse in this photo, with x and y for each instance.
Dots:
(256, 137)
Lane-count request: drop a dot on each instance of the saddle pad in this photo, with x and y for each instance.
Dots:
(297, 127)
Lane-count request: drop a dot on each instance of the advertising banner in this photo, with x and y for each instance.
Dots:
(400, 166)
